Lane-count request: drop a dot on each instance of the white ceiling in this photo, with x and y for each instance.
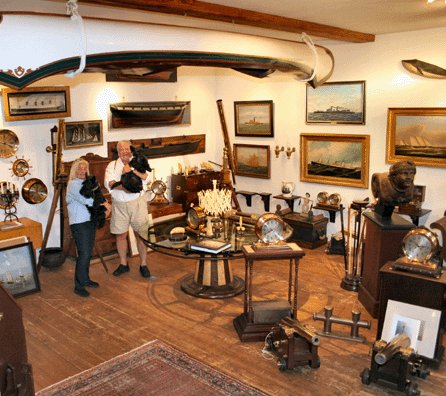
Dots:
(365, 16)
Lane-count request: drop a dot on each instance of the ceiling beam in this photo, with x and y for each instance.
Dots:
(238, 16)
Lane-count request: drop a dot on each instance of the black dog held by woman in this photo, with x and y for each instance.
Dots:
(91, 189)
(129, 180)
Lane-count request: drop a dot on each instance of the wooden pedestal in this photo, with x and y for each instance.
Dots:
(382, 244)
(415, 289)
(247, 328)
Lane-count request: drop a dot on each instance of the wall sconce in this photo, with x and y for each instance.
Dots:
(278, 150)
(289, 151)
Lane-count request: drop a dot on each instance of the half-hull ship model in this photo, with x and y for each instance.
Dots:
(149, 48)
(153, 114)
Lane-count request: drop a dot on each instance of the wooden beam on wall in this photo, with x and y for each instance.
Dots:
(238, 16)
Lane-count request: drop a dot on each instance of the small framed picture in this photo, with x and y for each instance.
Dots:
(252, 160)
(36, 103)
(254, 119)
(18, 272)
(419, 323)
(82, 134)
(336, 103)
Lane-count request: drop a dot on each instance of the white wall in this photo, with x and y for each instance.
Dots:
(388, 84)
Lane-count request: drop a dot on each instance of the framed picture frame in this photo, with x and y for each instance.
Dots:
(254, 119)
(418, 135)
(18, 272)
(336, 103)
(36, 103)
(419, 323)
(252, 160)
(335, 159)
(82, 134)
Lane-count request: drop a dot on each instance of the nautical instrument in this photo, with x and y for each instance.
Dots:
(34, 191)
(271, 230)
(420, 248)
(9, 143)
(195, 217)
(20, 167)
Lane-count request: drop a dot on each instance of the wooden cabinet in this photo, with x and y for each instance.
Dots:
(184, 189)
(382, 244)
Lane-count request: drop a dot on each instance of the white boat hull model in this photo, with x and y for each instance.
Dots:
(36, 46)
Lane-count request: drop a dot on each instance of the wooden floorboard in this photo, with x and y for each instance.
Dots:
(67, 334)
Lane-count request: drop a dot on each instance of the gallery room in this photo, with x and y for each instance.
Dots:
(294, 164)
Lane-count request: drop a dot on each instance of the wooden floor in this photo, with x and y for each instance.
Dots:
(67, 334)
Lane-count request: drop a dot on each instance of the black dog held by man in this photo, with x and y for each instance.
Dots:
(91, 189)
(129, 180)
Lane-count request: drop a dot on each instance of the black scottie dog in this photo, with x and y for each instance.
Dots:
(97, 211)
(129, 180)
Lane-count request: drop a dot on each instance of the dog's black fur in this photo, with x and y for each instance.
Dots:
(97, 211)
(129, 180)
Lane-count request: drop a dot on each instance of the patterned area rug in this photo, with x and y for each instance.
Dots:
(155, 368)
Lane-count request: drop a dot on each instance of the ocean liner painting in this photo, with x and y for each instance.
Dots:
(337, 103)
(335, 159)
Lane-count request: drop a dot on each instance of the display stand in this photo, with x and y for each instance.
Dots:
(258, 318)
(383, 244)
(415, 289)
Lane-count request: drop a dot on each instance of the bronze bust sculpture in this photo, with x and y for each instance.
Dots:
(393, 188)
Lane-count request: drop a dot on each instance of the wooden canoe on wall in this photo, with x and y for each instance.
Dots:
(47, 45)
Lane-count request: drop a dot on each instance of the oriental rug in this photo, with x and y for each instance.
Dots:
(155, 368)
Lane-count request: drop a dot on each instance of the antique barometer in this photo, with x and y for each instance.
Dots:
(271, 231)
(421, 252)
(34, 191)
(322, 197)
(196, 217)
(9, 143)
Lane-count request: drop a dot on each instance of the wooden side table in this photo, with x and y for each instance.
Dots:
(32, 229)
(249, 324)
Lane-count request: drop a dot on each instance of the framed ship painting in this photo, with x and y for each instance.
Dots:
(335, 159)
(418, 135)
(82, 134)
(252, 160)
(36, 103)
(254, 119)
(18, 271)
(336, 103)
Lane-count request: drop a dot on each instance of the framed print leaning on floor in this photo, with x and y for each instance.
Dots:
(418, 135)
(335, 159)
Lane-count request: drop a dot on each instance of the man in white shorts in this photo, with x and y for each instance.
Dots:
(127, 209)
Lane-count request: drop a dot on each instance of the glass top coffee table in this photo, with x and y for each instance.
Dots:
(213, 277)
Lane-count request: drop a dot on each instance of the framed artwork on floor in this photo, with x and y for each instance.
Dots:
(418, 135)
(18, 271)
(335, 159)
(254, 119)
(336, 103)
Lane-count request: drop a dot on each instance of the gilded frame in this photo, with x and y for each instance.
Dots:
(417, 134)
(80, 134)
(245, 114)
(36, 103)
(348, 95)
(335, 159)
(252, 160)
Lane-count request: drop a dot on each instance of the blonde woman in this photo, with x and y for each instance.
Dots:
(82, 228)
